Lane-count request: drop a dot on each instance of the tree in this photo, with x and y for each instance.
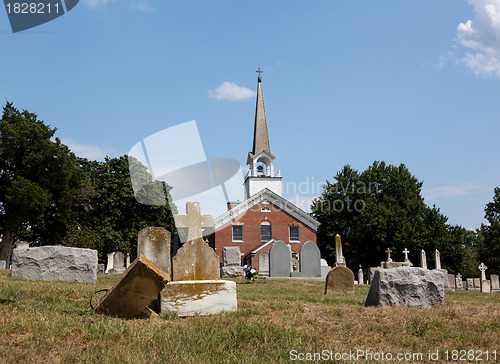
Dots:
(382, 208)
(39, 177)
(109, 217)
(489, 246)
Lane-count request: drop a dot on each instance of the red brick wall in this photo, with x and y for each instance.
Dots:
(251, 220)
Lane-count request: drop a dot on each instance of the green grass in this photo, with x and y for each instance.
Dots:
(51, 322)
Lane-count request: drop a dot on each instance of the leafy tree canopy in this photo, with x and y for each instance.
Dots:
(489, 246)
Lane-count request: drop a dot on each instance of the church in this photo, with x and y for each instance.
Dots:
(264, 216)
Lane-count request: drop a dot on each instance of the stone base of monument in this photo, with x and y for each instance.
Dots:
(233, 271)
(192, 298)
(485, 286)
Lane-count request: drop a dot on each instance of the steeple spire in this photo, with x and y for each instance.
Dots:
(260, 134)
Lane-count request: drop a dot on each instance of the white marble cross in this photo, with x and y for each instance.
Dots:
(194, 221)
(389, 251)
(482, 268)
(406, 251)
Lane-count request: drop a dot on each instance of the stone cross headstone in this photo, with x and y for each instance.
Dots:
(154, 244)
(118, 263)
(437, 259)
(360, 275)
(280, 257)
(194, 221)
(406, 251)
(310, 260)
(389, 251)
(423, 259)
(458, 282)
(482, 268)
(339, 257)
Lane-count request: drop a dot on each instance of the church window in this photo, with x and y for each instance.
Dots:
(294, 233)
(265, 231)
(265, 209)
(237, 232)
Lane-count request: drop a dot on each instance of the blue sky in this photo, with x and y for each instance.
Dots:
(345, 82)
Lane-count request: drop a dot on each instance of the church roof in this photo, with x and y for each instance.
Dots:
(276, 200)
(260, 134)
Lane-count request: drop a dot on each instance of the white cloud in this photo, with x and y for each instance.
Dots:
(453, 190)
(92, 152)
(231, 91)
(142, 5)
(482, 37)
(96, 3)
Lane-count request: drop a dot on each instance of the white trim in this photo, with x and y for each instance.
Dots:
(262, 246)
(276, 200)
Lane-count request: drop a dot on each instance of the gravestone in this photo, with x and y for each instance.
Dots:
(127, 264)
(134, 291)
(477, 284)
(55, 263)
(360, 275)
(231, 262)
(452, 282)
(3, 264)
(264, 264)
(197, 288)
(110, 262)
(339, 257)
(470, 284)
(340, 280)
(437, 257)
(154, 244)
(310, 260)
(482, 268)
(405, 252)
(423, 259)
(100, 268)
(458, 282)
(406, 286)
(280, 257)
(485, 286)
(372, 273)
(495, 283)
(118, 263)
(325, 268)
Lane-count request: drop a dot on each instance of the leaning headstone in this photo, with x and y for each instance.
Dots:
(495, 283)
(135, 290)
(452, 282)
(231, 262)
(360, 275)
(2, 264)
(118, 263)
(154, 244)
(264, 264)
(325, 268)
(485, 286)
(55, 263)
(458, 282)
(100, 268)
(406, 286)
(310, 260)
(280, 257)
(197, 288)
(423, 259)
(340, 280)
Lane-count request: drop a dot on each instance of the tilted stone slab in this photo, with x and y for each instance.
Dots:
(192, 298)
(340, 280)
(137, 287)
(406, 286)
(195, 261)
(154, 244)
(231, 255)
(55, 263)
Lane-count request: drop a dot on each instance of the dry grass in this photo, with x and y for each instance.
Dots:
(51, 322)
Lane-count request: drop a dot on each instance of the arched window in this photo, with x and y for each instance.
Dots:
(265, 230)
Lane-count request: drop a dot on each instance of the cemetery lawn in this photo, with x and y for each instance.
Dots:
(52, 322)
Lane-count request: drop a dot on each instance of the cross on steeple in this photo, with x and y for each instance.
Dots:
(259, 71)
(194, 221)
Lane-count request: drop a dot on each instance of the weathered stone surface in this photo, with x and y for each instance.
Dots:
(100, 268)
(495, 283)
(264, 264)
(22, 245)
(154, 244)
(470, 284)
(310, 260)
(190, 298)
(406, 286)
(195, 261)
(280, 258)
(231, 255)
(446, 283)
(194, 221)
(360, 276)
(477, 284)
(372, 273)
(109, 265)
(55, 263)
(485, 286)
(134, 291)
(118, 263)
(233, 271)
(340, 280)
(452, 282)
(459, 286)
(389, 265)
(2, 264)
